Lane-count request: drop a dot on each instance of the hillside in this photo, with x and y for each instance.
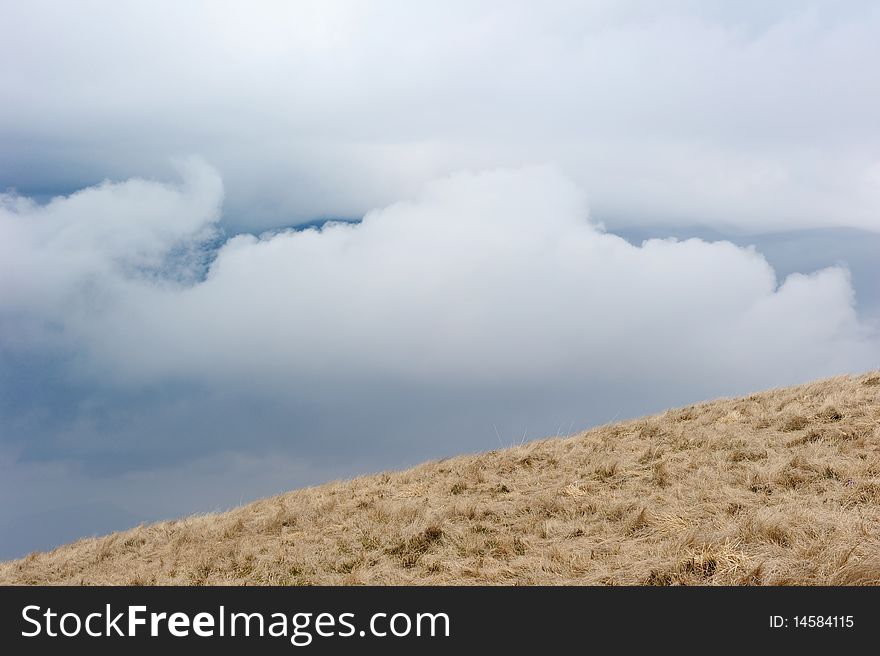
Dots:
(780, 487)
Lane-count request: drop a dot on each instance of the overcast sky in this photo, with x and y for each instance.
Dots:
(543, 217)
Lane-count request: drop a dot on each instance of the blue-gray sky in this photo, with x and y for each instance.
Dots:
(560, 216)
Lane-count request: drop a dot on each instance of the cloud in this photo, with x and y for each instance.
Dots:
(757, 116)
(72, 257)
(490, 278)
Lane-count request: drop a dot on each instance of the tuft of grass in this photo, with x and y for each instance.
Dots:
(411, 550)
(794, 423)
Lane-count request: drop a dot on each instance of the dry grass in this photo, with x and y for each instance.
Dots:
(775, 488)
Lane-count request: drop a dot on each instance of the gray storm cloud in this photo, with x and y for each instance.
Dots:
(489, 278)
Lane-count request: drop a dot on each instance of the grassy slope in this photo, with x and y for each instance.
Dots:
(773, 488)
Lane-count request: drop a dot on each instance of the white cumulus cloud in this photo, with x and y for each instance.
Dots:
(488, 278)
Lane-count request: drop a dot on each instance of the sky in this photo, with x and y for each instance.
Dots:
(247, 247)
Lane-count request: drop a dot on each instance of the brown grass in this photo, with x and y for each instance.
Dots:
(781, 487)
